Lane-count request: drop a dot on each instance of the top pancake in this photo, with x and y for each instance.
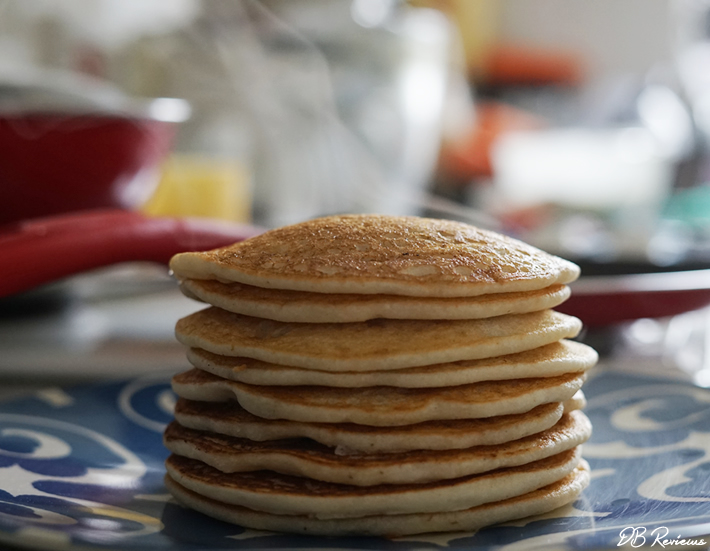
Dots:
(373, 254)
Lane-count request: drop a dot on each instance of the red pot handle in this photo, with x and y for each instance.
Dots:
(39, 251)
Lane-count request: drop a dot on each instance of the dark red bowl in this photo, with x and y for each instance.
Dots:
(605, 300)
(56, 163)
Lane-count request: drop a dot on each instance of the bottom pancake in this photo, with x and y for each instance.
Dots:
(539, 501)
(276, 493)
(306, 458)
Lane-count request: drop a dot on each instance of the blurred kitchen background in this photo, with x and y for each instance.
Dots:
(580, 127)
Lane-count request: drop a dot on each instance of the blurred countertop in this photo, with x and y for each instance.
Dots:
(115, 323)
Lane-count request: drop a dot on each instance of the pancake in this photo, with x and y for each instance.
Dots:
(546, 361)
(542, 500)
(306, 458)
(380, 406)
(578, 401)
(374, 374)
(304, 307)
(371, 254)
(232, 419)
(290, 495)
(372, 345)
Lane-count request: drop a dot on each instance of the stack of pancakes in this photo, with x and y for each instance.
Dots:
(378, 375)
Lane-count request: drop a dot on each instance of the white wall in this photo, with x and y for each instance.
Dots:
(613, 36)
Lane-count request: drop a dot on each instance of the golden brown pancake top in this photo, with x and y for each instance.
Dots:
(381, 254)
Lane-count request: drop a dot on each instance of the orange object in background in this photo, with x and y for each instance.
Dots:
(469, 157)
(513, 65)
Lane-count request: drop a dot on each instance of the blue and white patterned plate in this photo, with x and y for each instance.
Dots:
(82, 469)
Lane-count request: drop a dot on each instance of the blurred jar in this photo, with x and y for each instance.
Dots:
(197, 185)
(347, 99)
(210, 171)
(329, 106)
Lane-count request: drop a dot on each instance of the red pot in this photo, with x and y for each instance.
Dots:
(69, 179)
(51, 163)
